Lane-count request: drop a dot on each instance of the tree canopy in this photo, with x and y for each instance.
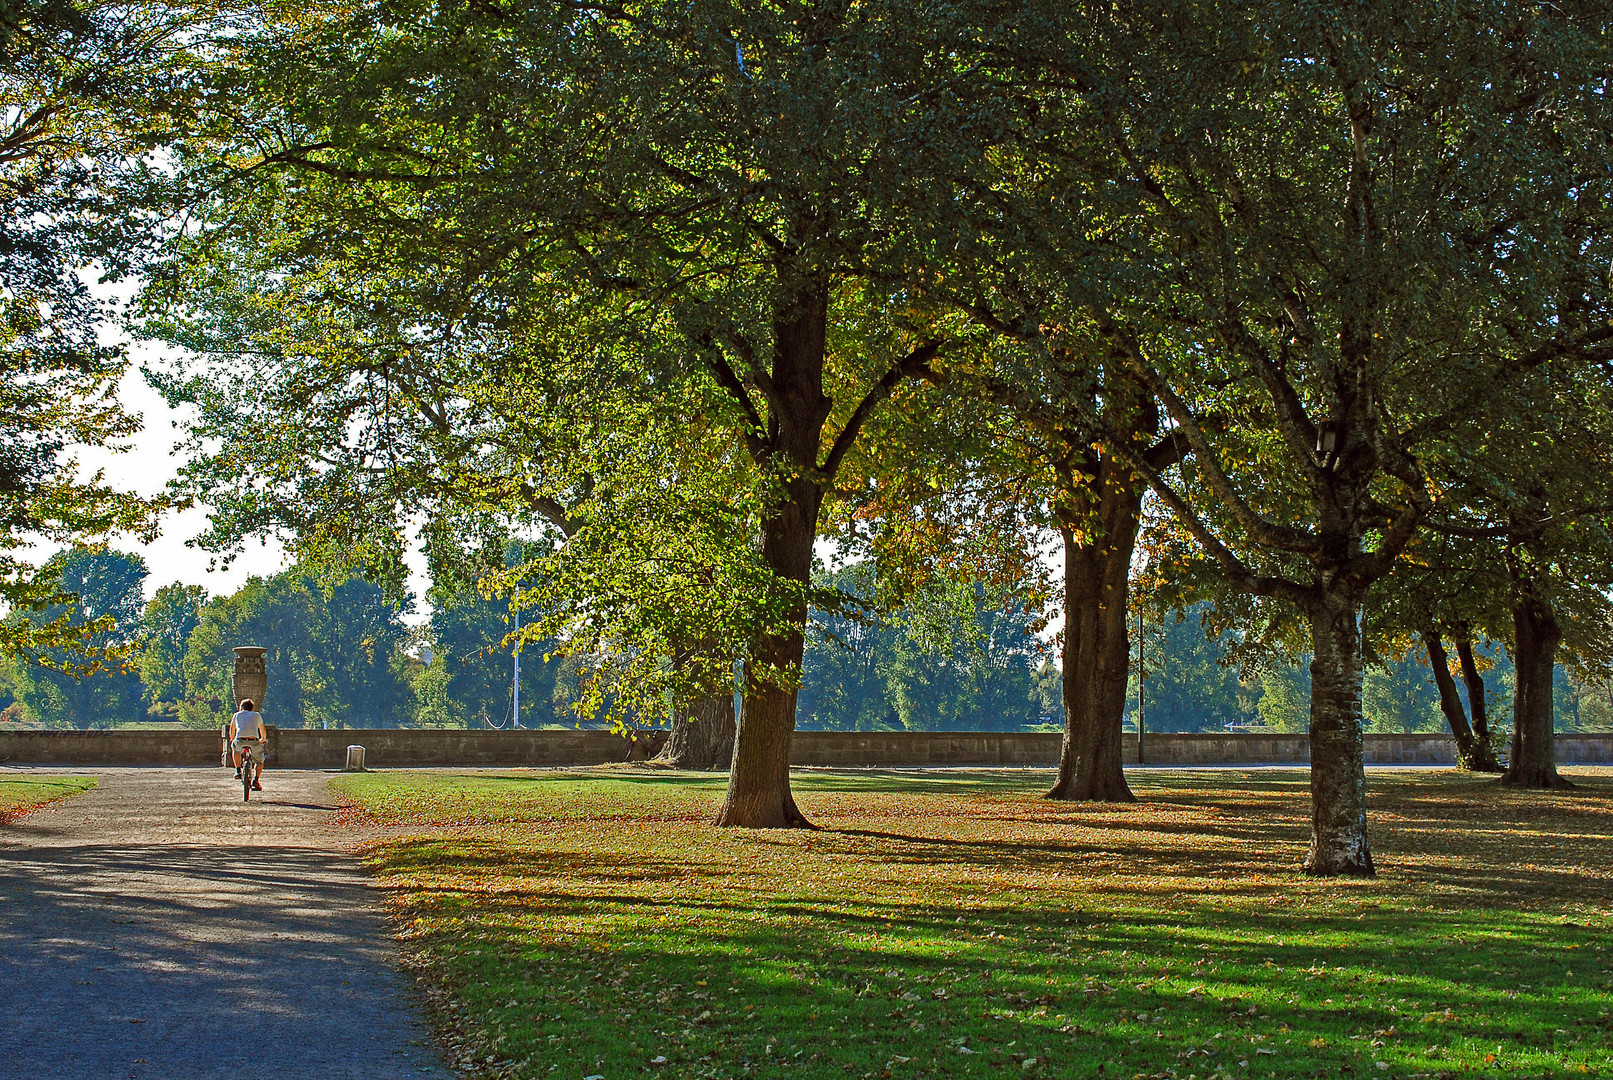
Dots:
(72, 138)
(1300, 312)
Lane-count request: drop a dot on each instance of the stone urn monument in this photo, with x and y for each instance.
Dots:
(251, 676)
(249, 681)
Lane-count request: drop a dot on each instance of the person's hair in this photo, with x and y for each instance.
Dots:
(246, 705)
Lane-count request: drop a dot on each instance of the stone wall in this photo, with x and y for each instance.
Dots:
(855, 748)
(309, 748)
(302, 748)
(110, 747)
(1233, 748)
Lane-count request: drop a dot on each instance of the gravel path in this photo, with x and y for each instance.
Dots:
(125, 912)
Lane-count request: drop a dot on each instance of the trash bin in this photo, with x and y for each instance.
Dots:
(355, 760)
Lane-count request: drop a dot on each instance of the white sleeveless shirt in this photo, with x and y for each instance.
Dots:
(248, 725)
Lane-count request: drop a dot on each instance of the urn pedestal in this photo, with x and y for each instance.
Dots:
(251, 676)
(249, 681)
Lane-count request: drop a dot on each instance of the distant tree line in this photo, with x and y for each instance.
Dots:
(339, 655)
(954, 658)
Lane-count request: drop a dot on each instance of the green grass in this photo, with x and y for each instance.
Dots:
(953, 925)
(18, 795)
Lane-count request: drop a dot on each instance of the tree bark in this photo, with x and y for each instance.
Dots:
(1484, 759)
(1533, 761)
(702, 735)
(1338, 766)
(759, 779)
(1097, 650)
(1450, 702)
(759, 795)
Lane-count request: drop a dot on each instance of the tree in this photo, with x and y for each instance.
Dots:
(964, 659)
(482, 436)
(1310, 215)
(354, 642)
(270, 612)
(1398, 693)
(957, 655)
(73, 78)
(1445, 588)
(1190, 684)
(168, 621)
(1522, 555)
(1020, 441)
(468, 634)
(1079, 408)
(102, 612)
(742, 176)
(1285, 694)
(1555, 557)
(332, 655)
(843, 674)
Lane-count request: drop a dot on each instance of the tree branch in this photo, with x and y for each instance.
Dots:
(914, 363)
(1261, 531)
(1595, 346)
(718, 364)
(1234, 568)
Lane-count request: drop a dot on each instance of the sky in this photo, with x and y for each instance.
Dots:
(146, 468)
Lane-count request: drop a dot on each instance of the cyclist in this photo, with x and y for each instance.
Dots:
(246, 726)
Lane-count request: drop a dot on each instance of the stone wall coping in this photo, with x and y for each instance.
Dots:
(403, 747)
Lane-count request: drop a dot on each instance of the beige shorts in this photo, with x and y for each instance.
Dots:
(255, 744)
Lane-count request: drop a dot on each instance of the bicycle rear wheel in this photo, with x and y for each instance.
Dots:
(246, 777)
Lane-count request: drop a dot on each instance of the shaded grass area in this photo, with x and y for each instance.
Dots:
(954, 925)
(19, 795)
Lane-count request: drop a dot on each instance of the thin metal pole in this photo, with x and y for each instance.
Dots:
(1142, 673)
(515, 708)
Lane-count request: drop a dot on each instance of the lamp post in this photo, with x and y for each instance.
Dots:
(1142, 673)
(1330, 442)
(515, 700)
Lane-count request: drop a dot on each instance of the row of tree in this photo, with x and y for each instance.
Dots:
(673, 292)
(340, 654)
(336, 654)
(951, 659)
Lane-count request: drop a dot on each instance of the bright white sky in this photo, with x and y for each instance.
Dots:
(146, 468)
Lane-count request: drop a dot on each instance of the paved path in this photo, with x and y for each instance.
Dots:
(123, 913)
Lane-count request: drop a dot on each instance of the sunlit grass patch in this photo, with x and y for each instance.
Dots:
(20, 794)
(953, 924)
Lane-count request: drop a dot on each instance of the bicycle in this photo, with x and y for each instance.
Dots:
(249, 753)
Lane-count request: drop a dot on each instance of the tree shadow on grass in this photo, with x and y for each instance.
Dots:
(854, 982)
(1051, 928)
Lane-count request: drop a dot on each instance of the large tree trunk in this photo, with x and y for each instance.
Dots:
(1097, 651)
(759, 795)
(759, 779)
(1338, 767)
(1533, 761)
(702, 735)
(1450, 702)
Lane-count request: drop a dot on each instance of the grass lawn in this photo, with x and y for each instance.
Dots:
(592, 924)
(20, 794)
